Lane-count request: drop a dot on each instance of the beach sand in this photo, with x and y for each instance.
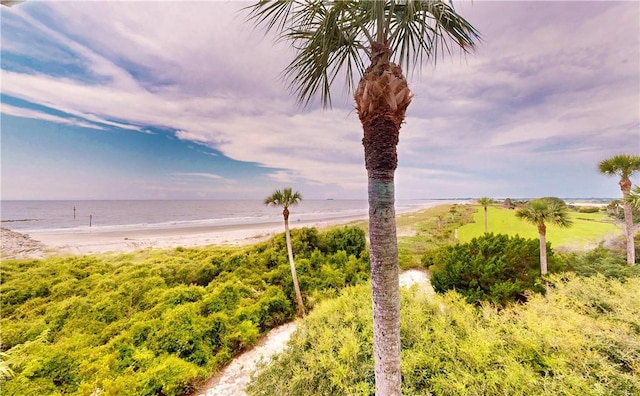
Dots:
(41, 244)
(46, 243)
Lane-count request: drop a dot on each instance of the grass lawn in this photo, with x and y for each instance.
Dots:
(587, 230)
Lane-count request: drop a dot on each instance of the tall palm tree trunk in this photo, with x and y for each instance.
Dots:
(628, 220)
(296, 287)
(625, 186)
(542, 229)
(384, 269)
(381, 99)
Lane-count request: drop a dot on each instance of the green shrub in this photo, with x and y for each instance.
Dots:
(352, 240)
(602, 261)
(588, 209)
(567, 345)
(158, 322)
(496, 268)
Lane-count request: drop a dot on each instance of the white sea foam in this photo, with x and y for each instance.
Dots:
(105, 216)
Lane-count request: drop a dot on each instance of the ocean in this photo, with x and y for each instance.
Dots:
(79, 216)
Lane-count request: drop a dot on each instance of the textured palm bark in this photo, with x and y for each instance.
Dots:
(382, 98)
(625, 186)
(296, 287)
(542, 229)
(385, 287)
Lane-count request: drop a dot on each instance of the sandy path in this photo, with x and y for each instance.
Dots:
(233, 379)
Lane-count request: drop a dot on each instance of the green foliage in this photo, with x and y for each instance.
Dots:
(351, 240)
(616, 211)
(588, 209)
(330, 354)
(584, 340)
(495, 268)
(599, 261)
(158, 322)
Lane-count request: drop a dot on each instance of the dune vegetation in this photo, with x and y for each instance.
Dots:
(584, 341)
(160, 322)
(489, 330)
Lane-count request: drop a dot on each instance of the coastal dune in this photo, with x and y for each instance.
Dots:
(17, 245)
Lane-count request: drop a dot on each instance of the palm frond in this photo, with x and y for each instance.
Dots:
(285, 198)
(334, 37)
(634, 198)
(328, 40)
(545, 210)
(270, 14)
(428, 28)
(623, 165)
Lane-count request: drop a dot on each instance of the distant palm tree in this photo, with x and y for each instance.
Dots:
(485, 202)
(624, 165)
(540, 212)
(613, 208)
(336, 39)
(286, 198)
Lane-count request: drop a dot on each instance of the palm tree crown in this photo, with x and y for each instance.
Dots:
(543, 211)
(623, 165)
(284, 198)
(334, 37)
(485, 201)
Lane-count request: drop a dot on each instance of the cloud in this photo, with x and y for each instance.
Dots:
(198, 175)
(38, 115)
(551, 83)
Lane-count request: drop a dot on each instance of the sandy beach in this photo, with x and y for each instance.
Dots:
(41, 244)
(38, 244)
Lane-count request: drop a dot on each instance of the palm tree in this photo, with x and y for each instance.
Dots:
(624, 165)
(485, 202)
(335, 37)
(613, 208)
(286, 198)
(540, 212)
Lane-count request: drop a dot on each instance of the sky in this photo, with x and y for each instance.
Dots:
(186, 100)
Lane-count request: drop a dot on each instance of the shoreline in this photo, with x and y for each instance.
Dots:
(39, 244)
(42, 243)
